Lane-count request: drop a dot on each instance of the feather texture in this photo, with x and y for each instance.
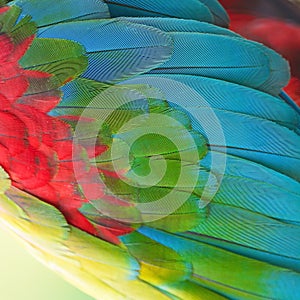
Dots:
(200, 10)
(253, 65)
(64, 11)
(110, 58)
(180, 25)
(117, 105)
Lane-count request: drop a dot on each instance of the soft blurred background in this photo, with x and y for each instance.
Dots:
(275, 23)
(24, 278)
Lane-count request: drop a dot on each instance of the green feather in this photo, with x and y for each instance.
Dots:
(63, 59)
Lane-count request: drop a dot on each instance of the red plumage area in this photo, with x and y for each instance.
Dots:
(36, 149)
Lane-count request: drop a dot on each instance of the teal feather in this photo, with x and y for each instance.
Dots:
(271, 258)
(214, 268)
(260, 138)
(199, 10)
(253, 171)
(289, 101)
(254, 187)
(217, 10)
(258, 143)
(243, 62)
(44, 13)
(180, 25)
(244, 227)
(287, 165)
(77, 95)
(223, 95)
(115, 49)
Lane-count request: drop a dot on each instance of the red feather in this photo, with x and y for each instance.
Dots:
(36, 149)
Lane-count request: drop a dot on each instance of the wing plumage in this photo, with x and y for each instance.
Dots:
(200, 108)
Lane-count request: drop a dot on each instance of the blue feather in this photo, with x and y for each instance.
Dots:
(222, 95)
(257, 188)
(115, 49)
(253, 138)
(227, 58)
(45, 13)
(180, 25)
(244, 227)
(287, 165)
(199, 10)
(226, 272)
(242, 129)
(220, 16)
(290, 101)
(271, 258)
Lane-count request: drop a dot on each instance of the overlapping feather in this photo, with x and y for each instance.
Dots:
(244, 244)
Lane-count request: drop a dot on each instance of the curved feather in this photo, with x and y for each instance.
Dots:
(223, 95)
(180, 25)
(257, 188)
(213, 268)
(243, 245)
(63, 11)
(193, 9)
(243, 62)
(55, 242)
(66, 61)
(58, 244)
(180, 154)
(253, 230)
(111, 57)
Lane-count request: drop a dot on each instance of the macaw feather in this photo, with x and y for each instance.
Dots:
(228, 280)
(227, 96)
(146, 152)
(110, 58)
(243, 62)
(63, 60)
(180, 25)
(63, 11)
(267, 192)
(211, 12)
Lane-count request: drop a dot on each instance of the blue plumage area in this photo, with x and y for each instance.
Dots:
(248, 123)
(227, 96)
(211, 12)
(112, 57)
(260, 186)
(240, 61)
(45, 14)
(180, 25)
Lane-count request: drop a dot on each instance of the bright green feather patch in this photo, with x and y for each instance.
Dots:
(17, 31)
(152, 161)
(63, 59)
